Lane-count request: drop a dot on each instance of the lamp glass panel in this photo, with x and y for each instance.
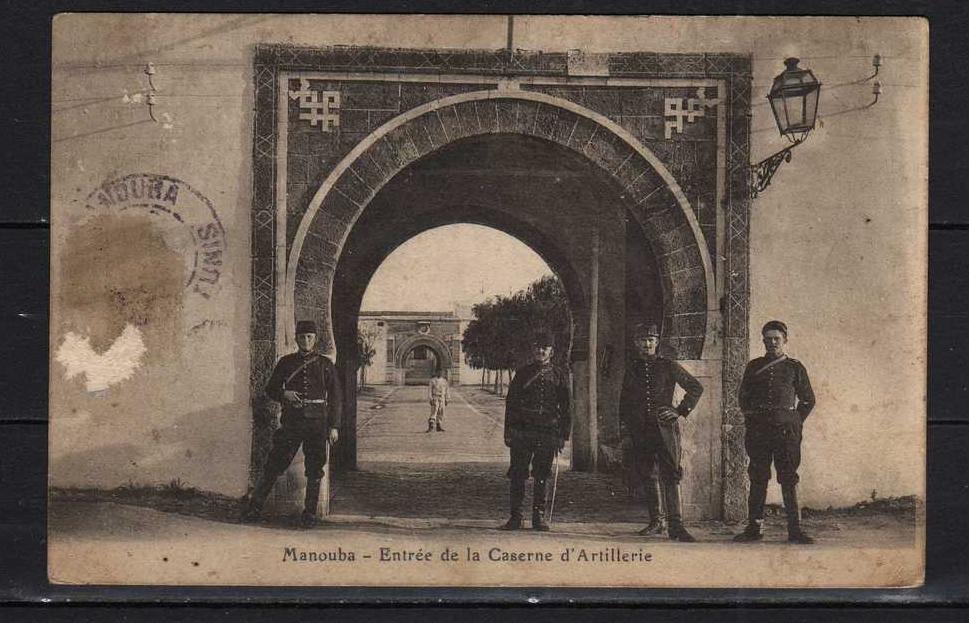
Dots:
(780, 114)
(795, 111)
(811, 106)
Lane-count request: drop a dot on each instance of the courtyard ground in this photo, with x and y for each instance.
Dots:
(431, 490)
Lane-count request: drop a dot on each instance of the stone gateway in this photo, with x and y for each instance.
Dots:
(630, 179)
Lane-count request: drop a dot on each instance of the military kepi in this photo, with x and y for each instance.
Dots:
(305, 326)
(646, 330)
(543, 338)
(774, 325)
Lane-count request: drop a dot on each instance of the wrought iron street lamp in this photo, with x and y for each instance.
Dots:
(794, 101)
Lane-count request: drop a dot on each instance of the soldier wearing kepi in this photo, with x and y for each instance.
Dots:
(537, 425)
(306, 384)
(776, 397)
(650, 428)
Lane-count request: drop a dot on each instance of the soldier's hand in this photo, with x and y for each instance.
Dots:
(293, 397)
(667, 415)
(334, 436)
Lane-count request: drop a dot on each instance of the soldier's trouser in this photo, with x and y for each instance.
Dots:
(772, 437)
(310, 433)
(658, 460)
(437, 411)
(659, 453)
(641, 476)
(539, 459)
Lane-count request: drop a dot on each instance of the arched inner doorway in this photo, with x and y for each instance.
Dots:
(556, 202)
(420, 362)
(426, 295)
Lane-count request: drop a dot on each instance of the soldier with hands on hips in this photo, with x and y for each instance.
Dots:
(650, 429)
(306, 384)
(776, 397)
(538, 422)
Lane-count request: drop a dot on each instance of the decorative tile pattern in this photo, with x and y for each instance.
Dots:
(688, 112)
(320, 108)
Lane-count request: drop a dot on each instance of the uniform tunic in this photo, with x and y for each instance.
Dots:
(538, 420)
(648, 387)
(308, 425)
(776, 397)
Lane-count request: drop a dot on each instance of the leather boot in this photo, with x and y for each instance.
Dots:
(538, 507)
(657, 523)
(516, 494)
(754, 531)
(257, 498)
(309, 516)
(440, 428)
(430, 425)
(793, 510)
(677, 531)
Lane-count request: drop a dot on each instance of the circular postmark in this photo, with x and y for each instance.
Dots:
(191, 217)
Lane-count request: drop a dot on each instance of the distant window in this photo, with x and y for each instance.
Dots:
(420, 353)
(380, 323)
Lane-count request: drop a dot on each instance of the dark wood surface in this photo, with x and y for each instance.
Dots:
(24, 240)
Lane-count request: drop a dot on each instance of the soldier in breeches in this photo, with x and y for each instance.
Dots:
(438, 394)
(537, 425)
(306, 385)
(650, 428)
(776, 397)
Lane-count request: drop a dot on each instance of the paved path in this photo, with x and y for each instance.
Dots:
(404, 471)
(391, 427)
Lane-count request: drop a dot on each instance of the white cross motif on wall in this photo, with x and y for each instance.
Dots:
(317, 107)
(695, 107)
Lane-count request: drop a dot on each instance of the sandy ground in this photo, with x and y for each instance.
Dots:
(447, 491)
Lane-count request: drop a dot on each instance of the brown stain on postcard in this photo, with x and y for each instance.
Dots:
(118, 272)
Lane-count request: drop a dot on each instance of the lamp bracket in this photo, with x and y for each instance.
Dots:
(763, 171)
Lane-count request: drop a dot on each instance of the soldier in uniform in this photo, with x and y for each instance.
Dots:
(537, 425)
(650, 428)
(306, 384)
(776, 397)
(438, 394)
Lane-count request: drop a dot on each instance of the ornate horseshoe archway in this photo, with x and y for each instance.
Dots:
(650, 193)
(669, 134)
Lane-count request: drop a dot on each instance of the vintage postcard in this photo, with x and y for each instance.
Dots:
(482, 301)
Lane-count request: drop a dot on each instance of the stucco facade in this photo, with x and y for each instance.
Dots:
(292, 199)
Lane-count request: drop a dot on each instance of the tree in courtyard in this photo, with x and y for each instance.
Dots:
(498, 337)
(366, 350)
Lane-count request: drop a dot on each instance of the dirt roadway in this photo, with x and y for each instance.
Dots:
(420, 493)
(108, 543)
(429, 482)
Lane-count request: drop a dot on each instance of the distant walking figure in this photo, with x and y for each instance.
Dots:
(438, 394)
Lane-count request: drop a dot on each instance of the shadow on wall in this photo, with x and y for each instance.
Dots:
(207, 449)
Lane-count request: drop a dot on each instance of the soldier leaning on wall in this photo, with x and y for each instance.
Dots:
(307, 386)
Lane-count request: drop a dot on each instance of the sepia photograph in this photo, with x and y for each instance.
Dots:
(488, 301)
